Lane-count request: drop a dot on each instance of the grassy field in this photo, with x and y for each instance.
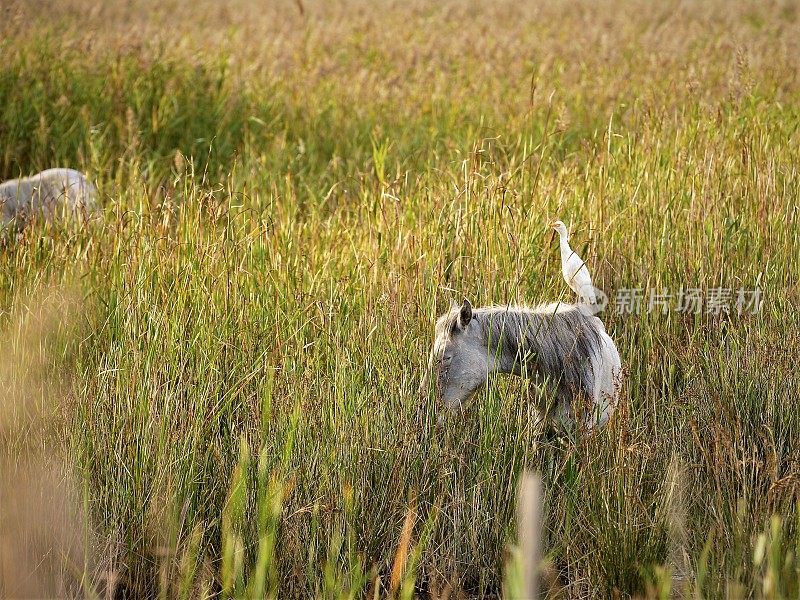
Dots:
(227, 364)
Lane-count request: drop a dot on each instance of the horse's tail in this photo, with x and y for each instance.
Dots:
(607, 368)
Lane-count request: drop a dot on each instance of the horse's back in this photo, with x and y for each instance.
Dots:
(45, 192)
(78, 189)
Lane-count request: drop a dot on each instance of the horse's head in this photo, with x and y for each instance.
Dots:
(459, 360)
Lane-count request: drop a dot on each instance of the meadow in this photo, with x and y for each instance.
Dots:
(220, 373)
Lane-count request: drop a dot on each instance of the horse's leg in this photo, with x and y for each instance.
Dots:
(562, 408)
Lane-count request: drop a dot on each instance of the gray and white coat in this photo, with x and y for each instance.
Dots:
(557, 344)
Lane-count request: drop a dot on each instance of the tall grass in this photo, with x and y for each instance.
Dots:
(292, 196)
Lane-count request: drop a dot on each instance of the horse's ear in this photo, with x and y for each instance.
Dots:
(465, 314)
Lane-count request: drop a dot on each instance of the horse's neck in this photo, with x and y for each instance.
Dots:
(516, 363)
(509, 340)
(518, 358)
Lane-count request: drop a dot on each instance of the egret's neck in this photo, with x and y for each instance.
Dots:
(563, 239)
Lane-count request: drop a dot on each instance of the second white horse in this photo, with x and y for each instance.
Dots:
(47, 194)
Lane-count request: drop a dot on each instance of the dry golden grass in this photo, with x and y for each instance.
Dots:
(293, 191)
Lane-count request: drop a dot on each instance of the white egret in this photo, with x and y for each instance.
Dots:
(575, 271)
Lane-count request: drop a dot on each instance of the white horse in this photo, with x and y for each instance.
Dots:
(558, 343)
(46, 194)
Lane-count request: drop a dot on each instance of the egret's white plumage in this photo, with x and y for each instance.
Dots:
(575, 271)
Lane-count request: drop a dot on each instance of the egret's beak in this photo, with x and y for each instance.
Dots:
(553, 227)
